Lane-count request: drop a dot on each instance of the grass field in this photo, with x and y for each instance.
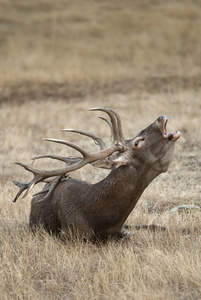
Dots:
(141, 58)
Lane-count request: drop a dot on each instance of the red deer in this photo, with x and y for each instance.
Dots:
(98, 211)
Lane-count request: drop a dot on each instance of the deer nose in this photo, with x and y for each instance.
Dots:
(162, 118)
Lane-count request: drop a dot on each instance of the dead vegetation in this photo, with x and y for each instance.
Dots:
(143, 59)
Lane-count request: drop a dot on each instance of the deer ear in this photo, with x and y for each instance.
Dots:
(112, 162)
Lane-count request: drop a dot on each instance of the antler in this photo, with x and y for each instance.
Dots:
(74, 163)
(114, 123)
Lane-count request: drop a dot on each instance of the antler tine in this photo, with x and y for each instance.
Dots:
(68, 160)
(28, 168)
(118, 124)
(64, 142)
(114, 121)
(28, 186)
(110, 125)
(31, 185)
(42, 174)
(22, 187)
(96, 138)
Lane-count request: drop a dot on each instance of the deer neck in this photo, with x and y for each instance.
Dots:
(122, 188)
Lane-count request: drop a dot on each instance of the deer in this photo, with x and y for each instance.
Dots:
(98, 211)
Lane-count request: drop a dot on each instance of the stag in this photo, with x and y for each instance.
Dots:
(98, 211)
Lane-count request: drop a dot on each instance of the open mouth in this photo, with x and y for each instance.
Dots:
(173, 136)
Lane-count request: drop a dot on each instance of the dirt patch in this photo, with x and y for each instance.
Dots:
(27, 91)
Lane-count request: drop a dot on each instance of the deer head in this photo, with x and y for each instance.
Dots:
(134, 163)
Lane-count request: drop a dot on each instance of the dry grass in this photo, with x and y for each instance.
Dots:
(143, 59)
(67, 41)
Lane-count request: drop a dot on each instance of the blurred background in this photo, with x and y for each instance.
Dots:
(73, 49)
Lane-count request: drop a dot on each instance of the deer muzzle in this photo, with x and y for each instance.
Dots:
(173, 136)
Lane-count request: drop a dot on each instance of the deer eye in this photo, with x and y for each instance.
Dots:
(138, 142)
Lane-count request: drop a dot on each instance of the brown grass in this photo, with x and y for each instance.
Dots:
(69, 41)
(143, 59)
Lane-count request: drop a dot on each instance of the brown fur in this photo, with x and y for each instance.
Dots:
(100, 210)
